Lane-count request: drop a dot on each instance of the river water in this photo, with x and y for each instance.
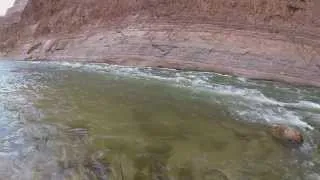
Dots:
(96, 121)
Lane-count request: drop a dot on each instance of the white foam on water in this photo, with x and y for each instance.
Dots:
(304, 105)
(242, 79)
(73, 65)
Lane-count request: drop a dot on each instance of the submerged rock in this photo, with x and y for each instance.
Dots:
(287, 135)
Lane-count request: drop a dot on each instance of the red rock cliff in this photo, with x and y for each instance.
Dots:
(61, 15)
(269, 39)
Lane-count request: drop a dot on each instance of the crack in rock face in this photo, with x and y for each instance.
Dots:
(34, 47)
(165, 49)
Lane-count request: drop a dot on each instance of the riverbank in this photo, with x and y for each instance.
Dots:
(201, 47)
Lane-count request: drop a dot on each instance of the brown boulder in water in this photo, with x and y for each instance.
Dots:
(287, 135)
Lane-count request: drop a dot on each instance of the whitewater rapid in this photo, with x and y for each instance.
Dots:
(251, 103)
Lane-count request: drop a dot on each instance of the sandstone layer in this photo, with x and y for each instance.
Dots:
(263, 39)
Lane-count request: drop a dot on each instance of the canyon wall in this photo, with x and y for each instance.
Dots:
(64, 15)
(264, 39)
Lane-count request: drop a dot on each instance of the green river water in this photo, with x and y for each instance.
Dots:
(96, 121)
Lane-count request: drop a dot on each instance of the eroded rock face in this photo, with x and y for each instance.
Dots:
(287, 135)
(262, 39)
(64, 15)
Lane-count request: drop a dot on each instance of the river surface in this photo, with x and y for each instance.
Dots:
(96, 121)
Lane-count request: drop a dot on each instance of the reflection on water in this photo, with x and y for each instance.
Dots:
(75, 121)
